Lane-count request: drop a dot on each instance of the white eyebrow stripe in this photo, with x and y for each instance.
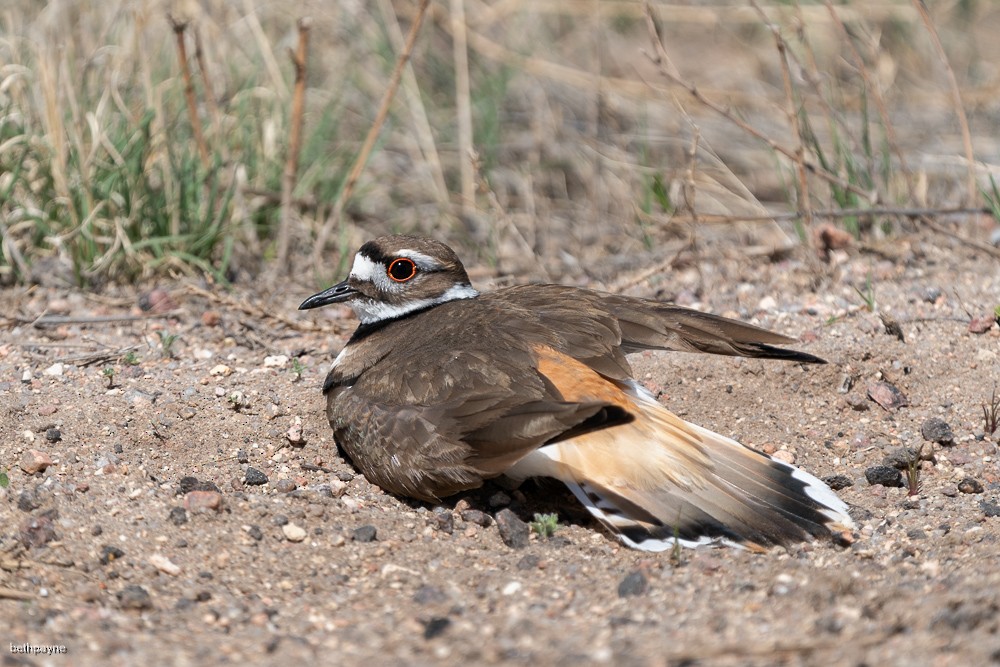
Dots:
(364, 269)
(425, 262)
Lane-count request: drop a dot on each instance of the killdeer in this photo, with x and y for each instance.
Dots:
(441, 388)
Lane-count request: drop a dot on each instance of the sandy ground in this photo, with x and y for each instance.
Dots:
(112, 553)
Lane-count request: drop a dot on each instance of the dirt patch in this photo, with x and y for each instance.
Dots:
(193, 508)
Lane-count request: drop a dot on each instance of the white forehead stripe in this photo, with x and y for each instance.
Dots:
(364, 269)
(425, 262)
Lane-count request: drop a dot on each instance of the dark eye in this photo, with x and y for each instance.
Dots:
(402, 269)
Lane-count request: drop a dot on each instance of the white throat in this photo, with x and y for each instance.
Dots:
(370, 312)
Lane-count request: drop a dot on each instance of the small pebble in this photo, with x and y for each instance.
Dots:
(513, 531)
(990, 507)
(634, 583)
(34, 461)
(241, 456)
(293, 532)
(443, 520)
(477, 517)
(838, 482)
(887, 395)
(937, 430)
(255, 533)
(970, 485)
(109, 553)
(856, 401)
(364, 534)
(528, 562)
(53, 435)
(27, 501)
(135, 597)
(435, 626)
(285, 486)
(884, 476)
(254, 477)
(203, 501)
(499, 499)
(164, 564)
(178, 516)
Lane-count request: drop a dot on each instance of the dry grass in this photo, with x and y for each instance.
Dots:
(548, 138)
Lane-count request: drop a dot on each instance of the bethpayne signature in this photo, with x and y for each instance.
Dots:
(37, 649)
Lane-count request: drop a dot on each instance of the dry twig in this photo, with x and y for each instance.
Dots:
(369, 142)
(295, 146)
(192, 104)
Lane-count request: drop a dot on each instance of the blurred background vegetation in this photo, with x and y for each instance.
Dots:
(570, 138)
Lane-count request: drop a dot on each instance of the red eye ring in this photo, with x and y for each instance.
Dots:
(401, 269)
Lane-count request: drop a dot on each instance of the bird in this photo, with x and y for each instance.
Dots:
(442, 387)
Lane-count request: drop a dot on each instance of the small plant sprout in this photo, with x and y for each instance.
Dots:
(545, 525)
(676, 550)
(167, 341)
(297, 368)
(867, 294)
(991, 413)
(4, 480)
(109, 376)
(913, 472)
(131, 358)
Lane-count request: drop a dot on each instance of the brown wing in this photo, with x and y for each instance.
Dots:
(455, 394)
(447, 405)
(599, 328)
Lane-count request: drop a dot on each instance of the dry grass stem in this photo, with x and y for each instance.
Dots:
(421, 124)
(288, 179)
(956, 99)
(804, 203)
(463, 106)
(180, 27)
(728, 114)
(366, 147)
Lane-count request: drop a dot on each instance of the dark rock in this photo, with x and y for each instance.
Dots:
(937, 430)
(53, 435)
(990, 507)
(344, 476)
(931, 294)
(28, 501)
(900, 458)
(97, 530)
(442, 519)
(884, 475)
(430, 595)
(255, 533)
(435, 626)
(634, 583)
(528, 562)
(856, 401)
(280, 520)
(838, 482)
(498, 499)
(364, 534)
(178, 516)
(188, 484)
(916, 534)
(38, 531)
(513, 531)
(887, 396)
(135, 597)
(109, 553)
(970, 485)
(254, 477)
(241, 456)
(475, 516)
